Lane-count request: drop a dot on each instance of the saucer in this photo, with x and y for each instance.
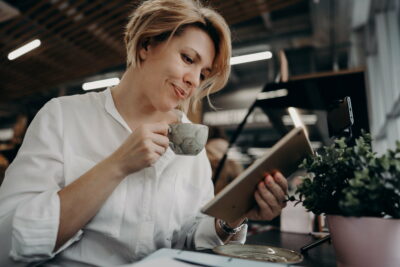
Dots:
(259, 253)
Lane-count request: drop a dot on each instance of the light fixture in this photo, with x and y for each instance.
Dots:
(6, 134)
(24, 49)
(272, 94)
(296, 118)
(251, 57)
(306, 119)
(100, 84)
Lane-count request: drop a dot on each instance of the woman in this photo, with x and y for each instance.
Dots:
(3, 166)
(95, 182)
(217, 144)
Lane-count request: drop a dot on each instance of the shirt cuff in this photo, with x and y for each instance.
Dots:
(240, 237)
(35, 228)
(206, 236)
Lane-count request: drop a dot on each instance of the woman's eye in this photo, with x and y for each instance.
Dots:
(202, 77)
(187, 59)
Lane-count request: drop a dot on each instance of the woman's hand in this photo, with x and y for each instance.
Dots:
(270, 197)
(142, 148)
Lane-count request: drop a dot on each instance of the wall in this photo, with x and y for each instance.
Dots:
(378, 41)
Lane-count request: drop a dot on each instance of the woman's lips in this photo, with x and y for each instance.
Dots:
(179, 92)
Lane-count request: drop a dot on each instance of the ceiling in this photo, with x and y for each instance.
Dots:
(82, 40)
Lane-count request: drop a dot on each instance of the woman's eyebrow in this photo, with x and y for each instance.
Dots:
(198, 57)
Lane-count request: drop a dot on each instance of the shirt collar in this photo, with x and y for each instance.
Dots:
(109, 105)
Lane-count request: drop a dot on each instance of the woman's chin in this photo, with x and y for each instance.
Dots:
(168, 107)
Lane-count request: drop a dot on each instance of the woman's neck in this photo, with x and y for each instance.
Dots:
(134, 106)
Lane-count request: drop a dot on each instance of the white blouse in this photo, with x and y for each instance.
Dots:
(153, 208)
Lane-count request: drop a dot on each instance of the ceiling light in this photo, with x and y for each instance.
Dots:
(100, 84)
(251, 57)
(24, 49)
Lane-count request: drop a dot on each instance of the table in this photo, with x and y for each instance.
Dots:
(322, 255)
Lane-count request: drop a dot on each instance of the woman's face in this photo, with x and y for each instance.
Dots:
(172, 71)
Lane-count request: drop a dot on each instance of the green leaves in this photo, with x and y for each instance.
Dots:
(352, 181)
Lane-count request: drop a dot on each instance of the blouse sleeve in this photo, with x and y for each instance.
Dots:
(29, 203)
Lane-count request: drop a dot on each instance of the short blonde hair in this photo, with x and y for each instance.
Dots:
(160, 20)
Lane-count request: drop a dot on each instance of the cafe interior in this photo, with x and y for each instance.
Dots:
(294, 63)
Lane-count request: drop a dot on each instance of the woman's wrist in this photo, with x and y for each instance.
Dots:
(227, 229)
(236, 223)
(114, 167)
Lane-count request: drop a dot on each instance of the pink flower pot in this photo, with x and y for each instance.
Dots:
(365, 241)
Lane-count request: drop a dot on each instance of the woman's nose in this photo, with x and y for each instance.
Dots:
(192, 79)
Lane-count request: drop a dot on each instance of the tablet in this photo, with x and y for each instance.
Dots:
(237, 198)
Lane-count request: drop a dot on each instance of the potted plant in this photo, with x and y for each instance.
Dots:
(359, 192)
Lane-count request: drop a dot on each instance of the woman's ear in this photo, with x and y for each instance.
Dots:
(144, 47)
(142, 54)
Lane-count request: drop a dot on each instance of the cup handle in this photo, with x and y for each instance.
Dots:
(171, 145)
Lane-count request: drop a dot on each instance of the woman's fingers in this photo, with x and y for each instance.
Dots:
(281, 180)
(265, 211)
(159, 149)
(275, 189)
(157, 137)
(269, 198)
(143, 147)
(159, 127)
(160, 140)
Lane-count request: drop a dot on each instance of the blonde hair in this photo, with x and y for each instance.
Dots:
(159, 20)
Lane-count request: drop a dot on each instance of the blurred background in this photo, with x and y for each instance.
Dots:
(313, 53)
